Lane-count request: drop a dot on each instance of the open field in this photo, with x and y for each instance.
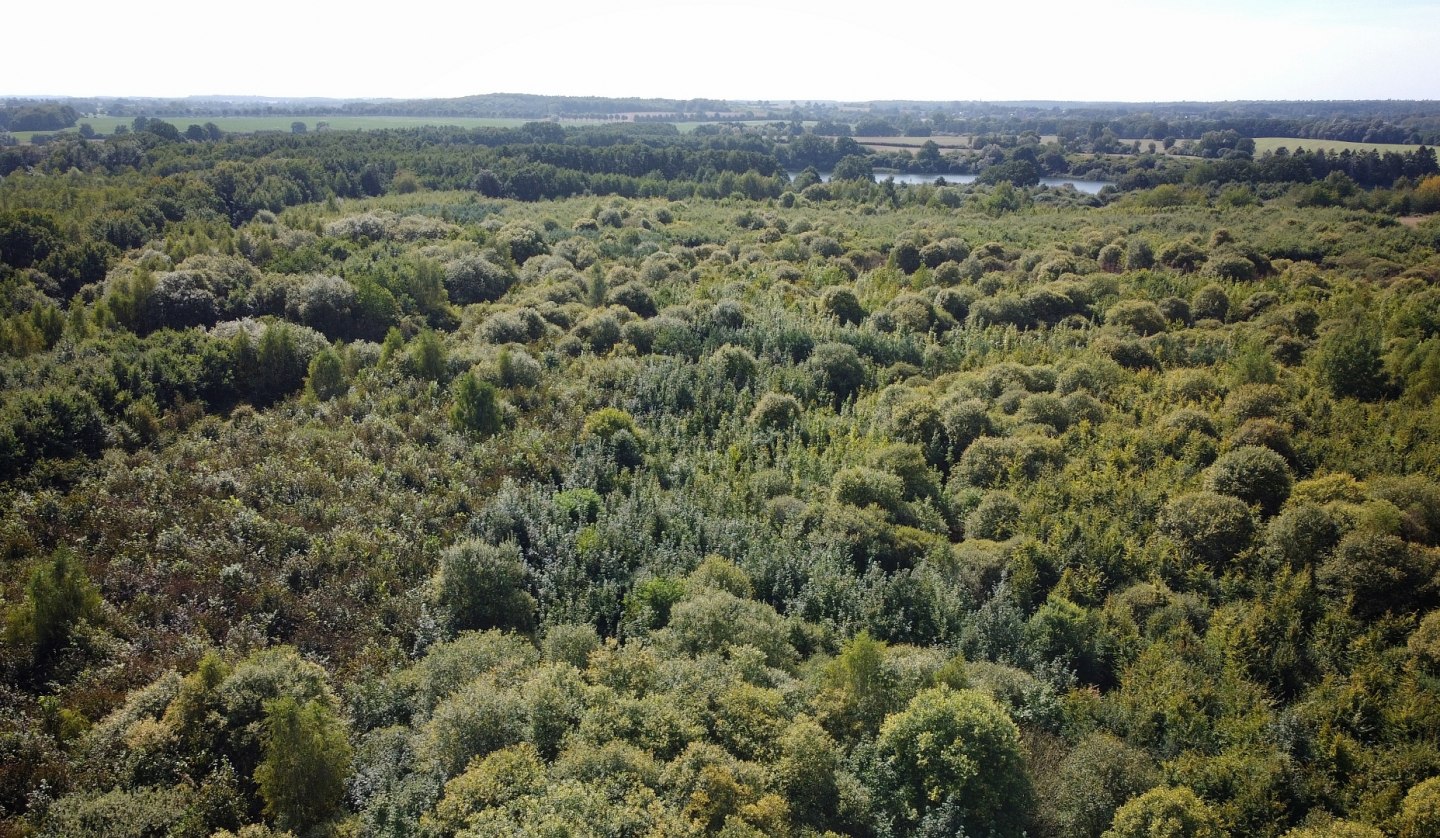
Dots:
(916, 142)
(912, 144)
(1264, 144)
(249, 124)
(688, 127)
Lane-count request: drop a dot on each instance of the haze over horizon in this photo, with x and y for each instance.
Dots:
(1114, 51)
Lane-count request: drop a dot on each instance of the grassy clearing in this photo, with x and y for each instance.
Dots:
(688, 127)
(1264, 144)
(915, 142)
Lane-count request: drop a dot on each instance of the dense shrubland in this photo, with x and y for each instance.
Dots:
(854, 508)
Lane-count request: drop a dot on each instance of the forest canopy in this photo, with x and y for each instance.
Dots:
(610, 479)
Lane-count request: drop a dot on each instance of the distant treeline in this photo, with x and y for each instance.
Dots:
(498, 105)
(197, 176)
(1370, 122)
(1411, 122)
(36, 116)
(1368, 169)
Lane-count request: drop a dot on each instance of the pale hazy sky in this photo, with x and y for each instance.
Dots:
(1121, 50)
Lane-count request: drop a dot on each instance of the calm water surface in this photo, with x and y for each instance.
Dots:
(1089, 187)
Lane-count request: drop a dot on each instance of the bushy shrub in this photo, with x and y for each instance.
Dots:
(1302, 534)
(1139, 255)
(521, 242)
(1377, 574)
(1257, 401)
(1208, 527)
(1255, 475)
(476, 279)
(1265, 433)
(963, 420)
(1256, 304)
(861, 486)
(599, 332)
(995, 518)
(481, 717)
(520, 325)
(1181, 254)
(838, 370)
(1168, 812)
(1211, 303)
(907, 461)
(775, 412)
(1175, 310)
(734, 364)
(1420, 810)
(1232, 267)
(1139, 316)
(634, 296)
(481, 586)
(324, 303)
(1096, 778)
(989, 461)
(716, 621)
(842, 304)
(956, 753)
(1045, 409)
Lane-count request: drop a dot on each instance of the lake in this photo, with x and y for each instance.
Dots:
(1089, 187)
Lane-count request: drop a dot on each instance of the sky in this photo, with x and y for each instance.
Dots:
(777, 50)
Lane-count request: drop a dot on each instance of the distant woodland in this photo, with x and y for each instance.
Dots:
(611, 479)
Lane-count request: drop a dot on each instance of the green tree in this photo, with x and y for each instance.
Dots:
(775, 412)
(842, 304)
(1018, 173)
(853, 167)
(1169, 812)
(1096, 779)
(58, 596)
(1005, 198)
(426, 284)
(481, 586)
(1139, 316)
(838, 370)
(393, 345)
(279, 365)
(1208, 527)
(326, 378)
(477, 407)
(427, 356)
(1068, 633)
(807, 770)
(956, 750)
(1420, 810)
(1255, 475)
(1350, 362)
(857, 688)
(305, 765)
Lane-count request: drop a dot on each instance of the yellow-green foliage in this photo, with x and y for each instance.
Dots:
(706, 504)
